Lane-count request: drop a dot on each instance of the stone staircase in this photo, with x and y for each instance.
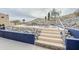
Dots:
(50, 38)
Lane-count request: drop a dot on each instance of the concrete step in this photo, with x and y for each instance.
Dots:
(52, 29)
(48, 39)
(50, 35)
(51, 45)
(51, 32)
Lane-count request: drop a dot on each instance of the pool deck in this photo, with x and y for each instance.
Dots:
(7, 44)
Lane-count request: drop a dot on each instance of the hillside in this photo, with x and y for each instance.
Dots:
(38, 21)
(73, 15)
(64, 19)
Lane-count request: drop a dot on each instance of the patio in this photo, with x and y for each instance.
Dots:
(7, 44)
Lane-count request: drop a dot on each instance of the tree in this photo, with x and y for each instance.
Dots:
(45, 17)
(55, 14)
(48, 15)
(23, 21)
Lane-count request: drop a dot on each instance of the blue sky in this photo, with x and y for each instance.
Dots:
(31, 13)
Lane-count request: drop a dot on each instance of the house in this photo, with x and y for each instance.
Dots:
(4, 19)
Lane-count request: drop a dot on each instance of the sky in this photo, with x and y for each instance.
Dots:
(31, 13)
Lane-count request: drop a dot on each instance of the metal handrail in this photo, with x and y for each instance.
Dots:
(62, 27)
(61, 23)
(63, 31)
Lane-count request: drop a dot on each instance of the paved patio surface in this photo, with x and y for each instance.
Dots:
(7, 44)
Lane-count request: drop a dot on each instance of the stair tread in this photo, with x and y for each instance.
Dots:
(50, 43)
(48, 34)
(51, 28)
(52, 40)
(42, 37)
(56, 41)
(51, 32)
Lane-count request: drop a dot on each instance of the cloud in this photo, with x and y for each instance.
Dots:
(25, 12)
(34, 12)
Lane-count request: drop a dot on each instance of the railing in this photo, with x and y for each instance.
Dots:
(63, 33)
(62, 27)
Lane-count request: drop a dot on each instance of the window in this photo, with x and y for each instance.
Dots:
(2, 17)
